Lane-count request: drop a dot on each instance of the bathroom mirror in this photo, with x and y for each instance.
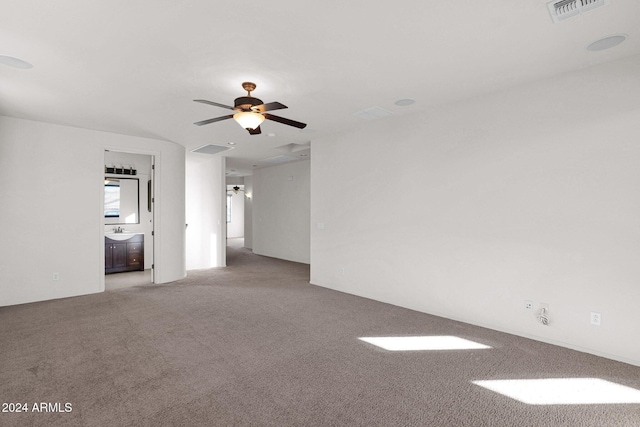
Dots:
(121, 201)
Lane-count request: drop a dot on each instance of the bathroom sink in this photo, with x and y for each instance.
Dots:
(120, 236)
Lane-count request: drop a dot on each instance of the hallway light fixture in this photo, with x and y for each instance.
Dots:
(235, 190)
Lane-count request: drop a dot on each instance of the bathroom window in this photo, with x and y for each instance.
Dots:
(112, 198)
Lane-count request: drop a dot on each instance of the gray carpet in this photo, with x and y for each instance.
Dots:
(254, 344)
(126, 280)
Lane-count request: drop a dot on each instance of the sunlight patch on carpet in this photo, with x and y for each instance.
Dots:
(563, 391)
(444, 342)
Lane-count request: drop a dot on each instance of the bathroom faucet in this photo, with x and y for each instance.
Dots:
(118, 230)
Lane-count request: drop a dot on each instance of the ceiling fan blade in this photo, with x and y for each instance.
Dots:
(217, 119)
(255, 131)
(215, 104)
(282, 120)
(268, 107)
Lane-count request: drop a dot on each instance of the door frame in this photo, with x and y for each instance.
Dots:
(155, 187)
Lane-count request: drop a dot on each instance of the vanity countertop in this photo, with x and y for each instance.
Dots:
(122, 236)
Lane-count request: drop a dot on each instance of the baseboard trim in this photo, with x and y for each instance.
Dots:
(499, 329)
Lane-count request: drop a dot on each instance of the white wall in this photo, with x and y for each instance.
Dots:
(248, 212)
(205, 211)
(52, 209)
(281, 203)
(468, 210)
(235, 228)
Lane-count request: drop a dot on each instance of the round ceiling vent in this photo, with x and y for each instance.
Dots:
(404, 102)
(607, 42)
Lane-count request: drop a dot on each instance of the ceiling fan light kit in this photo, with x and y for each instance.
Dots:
(250, 112)
(248, 120)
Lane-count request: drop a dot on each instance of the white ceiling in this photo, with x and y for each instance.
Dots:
(135, 67)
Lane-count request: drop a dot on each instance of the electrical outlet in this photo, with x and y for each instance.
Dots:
(596, 319)
(342, 271)
(528, 304)
(56, 276)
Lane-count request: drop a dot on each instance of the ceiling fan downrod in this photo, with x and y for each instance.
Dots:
(249, 87)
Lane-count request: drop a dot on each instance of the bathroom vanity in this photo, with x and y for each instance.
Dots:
(123, 252)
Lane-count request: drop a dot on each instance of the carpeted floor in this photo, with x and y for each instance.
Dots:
(254, 344)
(126, 280)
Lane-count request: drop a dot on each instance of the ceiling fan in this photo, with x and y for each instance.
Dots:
(250, 112)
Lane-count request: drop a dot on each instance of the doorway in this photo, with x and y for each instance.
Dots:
(235, 203)
(235, 211)
(128, 219)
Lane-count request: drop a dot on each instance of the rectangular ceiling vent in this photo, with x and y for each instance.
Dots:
(561, 10)
(373, 113)
(279, 159)
(294, 147)
(211, 149)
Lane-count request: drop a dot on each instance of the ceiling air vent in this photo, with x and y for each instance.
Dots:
(211, 149)
(279, 159)
(372, 113)
(561, 10)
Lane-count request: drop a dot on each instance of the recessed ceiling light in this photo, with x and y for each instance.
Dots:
(607, 42)
(14, 62)
(231, 143)
(404, 102)
(271, 134)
